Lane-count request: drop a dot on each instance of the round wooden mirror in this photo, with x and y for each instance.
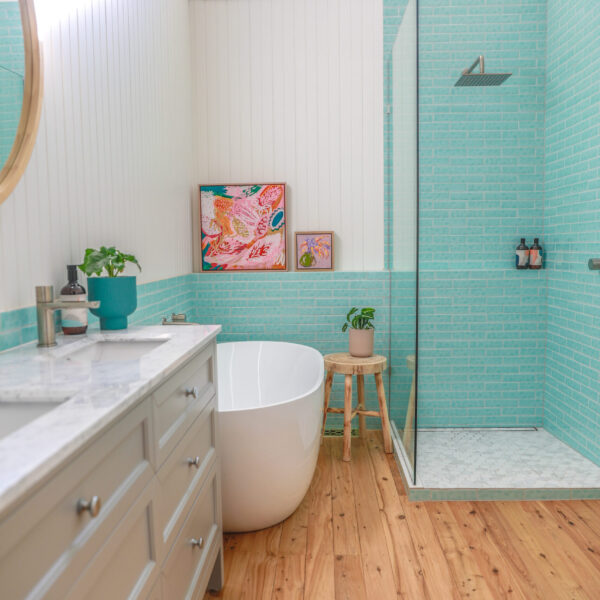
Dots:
(20, 90)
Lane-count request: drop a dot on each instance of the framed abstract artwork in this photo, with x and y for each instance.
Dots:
(314, 250)
(243, 227)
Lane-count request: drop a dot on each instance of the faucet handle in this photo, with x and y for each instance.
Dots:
(44, 293)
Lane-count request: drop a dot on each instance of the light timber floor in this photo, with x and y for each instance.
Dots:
(356, 536)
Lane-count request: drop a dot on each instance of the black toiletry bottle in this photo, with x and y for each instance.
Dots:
(74, 320)
(522, 255)
(535, 255)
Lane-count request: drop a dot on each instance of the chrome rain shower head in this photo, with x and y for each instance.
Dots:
(468, 78)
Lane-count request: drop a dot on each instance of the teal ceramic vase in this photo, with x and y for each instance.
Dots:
(118, 299)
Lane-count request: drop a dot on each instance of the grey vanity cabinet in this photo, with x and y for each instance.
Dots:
(157, 533)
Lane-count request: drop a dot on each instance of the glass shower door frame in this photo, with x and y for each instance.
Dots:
(399, 438)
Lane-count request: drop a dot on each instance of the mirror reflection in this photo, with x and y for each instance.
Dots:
(12, 75)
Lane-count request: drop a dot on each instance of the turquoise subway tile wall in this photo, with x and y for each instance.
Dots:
(572, 222)
(302, 308)
(403, 314)
(481, 188)
(393, 13)
(12, 68)
(155, 300)
(402, 307)
(159, 299)
(481, 348)
(481, 148)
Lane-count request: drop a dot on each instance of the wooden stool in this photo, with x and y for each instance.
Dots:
(349, 365)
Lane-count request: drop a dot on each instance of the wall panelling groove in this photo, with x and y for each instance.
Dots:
(113, 158)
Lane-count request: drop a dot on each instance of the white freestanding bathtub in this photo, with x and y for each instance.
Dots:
(270, 410)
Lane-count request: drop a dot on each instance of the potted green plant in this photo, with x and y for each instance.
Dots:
(117, 293)
(361, 336)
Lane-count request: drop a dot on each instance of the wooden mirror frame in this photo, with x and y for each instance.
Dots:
(29, 122)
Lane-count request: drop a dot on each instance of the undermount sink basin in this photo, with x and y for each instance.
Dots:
(18, 409)
(110, 351)
(18, 412)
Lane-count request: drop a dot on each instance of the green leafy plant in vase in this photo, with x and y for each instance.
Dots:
(361, 335)
(117, 293)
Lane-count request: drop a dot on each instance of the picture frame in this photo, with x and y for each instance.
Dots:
(316, 247)
(243, 227)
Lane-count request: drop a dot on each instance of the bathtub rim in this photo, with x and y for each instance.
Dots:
(306, 394)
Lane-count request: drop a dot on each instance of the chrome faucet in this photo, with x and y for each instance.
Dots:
(46, 305)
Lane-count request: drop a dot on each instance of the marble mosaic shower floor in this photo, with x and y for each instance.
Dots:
(500, 464)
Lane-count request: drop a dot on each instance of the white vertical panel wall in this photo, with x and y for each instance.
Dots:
(292, 90)
(112, 163)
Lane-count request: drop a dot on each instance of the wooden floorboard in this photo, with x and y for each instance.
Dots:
(407, 571)
(319, 570)
(356, 536)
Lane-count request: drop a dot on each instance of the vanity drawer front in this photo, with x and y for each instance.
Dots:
(126, 565)
(47, 542)
(179, 480)
(187, 571)
(178, 401)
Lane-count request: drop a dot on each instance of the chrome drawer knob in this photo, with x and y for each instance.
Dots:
(92, 506)
(194, 462)
(192, 392)
(197, 543)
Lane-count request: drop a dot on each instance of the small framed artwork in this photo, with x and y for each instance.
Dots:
(314, 250)
(243, 227)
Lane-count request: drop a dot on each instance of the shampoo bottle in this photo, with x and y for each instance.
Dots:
(535, 255)
(522, 255)
(74, 320)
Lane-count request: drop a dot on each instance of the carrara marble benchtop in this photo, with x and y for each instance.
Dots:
(88, 381)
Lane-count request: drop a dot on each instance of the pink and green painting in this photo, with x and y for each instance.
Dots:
(314, 250)
(243, 227)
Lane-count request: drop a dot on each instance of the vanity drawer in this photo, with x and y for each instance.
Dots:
(126, 565)
(47, 542)
(180, 400)
(187, 570)
(183, 472)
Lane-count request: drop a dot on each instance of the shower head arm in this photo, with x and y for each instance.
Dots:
(478, 61)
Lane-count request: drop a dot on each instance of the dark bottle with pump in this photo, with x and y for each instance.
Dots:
(522, 255)
(535, 255)
(74, 320)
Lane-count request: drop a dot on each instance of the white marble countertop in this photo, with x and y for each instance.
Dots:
(88, 394)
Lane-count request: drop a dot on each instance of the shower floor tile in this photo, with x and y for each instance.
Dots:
(495, 464)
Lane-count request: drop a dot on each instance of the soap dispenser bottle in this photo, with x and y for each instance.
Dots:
(535, 255)
(74, 320)
(522, 255)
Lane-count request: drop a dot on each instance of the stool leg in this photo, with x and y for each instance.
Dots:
(362, 420)
(328, 382)
(347, 417)
(409, 424)
(383, 413)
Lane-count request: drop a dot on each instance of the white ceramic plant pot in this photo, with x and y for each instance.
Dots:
(361, 342)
